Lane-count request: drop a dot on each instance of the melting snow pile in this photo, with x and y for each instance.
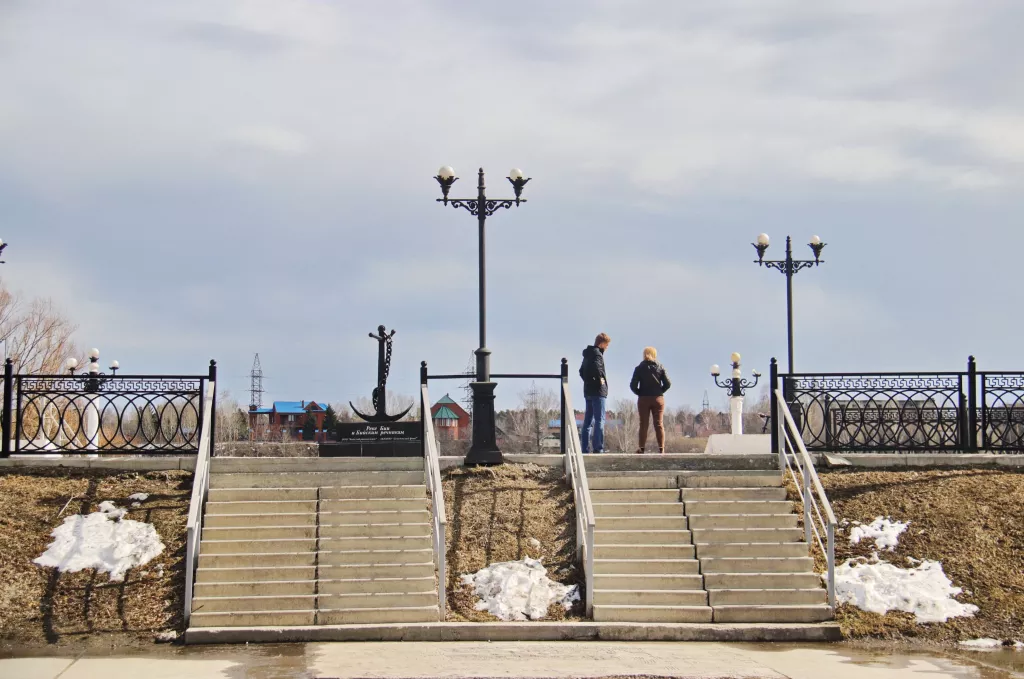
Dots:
(103, 540)
(518, 590)
(884, 532)
(139, 497)
(879, 587)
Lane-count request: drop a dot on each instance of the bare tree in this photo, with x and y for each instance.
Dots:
(625, 436)
(36, 335)
(529, 424)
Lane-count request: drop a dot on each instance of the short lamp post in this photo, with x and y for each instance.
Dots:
(737, 387)
(788, 267)
(91, 382)
(484, 450)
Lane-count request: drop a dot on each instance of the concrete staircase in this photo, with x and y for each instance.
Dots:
(298, 542)
(700, 546)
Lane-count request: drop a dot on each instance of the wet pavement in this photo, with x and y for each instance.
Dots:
(519, 659)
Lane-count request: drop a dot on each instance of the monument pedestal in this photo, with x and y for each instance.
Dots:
(376, 439)
(484, 450)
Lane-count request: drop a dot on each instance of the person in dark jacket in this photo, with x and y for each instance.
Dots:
(595, 392)
(649, 383)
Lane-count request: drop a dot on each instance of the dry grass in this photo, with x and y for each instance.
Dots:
(493, 512)
(43, 606)
(970, 520)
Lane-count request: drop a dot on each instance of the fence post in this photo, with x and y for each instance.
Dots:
(972, 405)
(561, 394)
(424, 407)
(213, 407)
(773, 374)
(6, 417)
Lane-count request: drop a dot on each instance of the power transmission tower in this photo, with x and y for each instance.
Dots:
(256, 385)
(467, 390)
(705, 404)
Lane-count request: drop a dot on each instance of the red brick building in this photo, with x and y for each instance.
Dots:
(451, 421)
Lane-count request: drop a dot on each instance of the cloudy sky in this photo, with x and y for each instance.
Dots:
(212, 178)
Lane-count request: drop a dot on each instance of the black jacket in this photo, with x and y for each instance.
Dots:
(595, 382)
(649, 379)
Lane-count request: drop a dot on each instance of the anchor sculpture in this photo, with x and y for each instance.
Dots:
(380, 402)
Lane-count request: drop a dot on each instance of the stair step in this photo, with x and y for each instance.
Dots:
(259, 520)
(217, 604)
(742, 520)
(647, 566)
(733, 535)
(345, 544)
(253, 560)
(770, 494)
(262, 495)
(791, 564)
(635, 495)
(766, 597)
(674, 508)
(274, 546)
(324, 465)
(253, 619)
(761, 581)
(645, 482)
(780, 614)
(366, 616)
(265, 507)
(656, 597)
(746, 507)
(640, 523)
(647, 581)
(375, 556)
(251, 589)
(312, 479)
(373, 505)
(307, 532)
(642, 537)
(377, 600)
(634, 551)
(373, 492)
(414, 530)
(612, 613)
(750, 549)
(730, 479)
(375, 517)
(363, 571)
(330, 583)
(255, 574)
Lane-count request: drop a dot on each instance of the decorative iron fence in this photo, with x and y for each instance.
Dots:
(103, 414)
(906, 412)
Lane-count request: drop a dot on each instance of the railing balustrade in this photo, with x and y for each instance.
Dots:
(432, 469)
(576, 474)
(200, 490)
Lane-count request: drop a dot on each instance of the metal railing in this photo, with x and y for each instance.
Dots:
(432, 469)
(200, 489)
(1002, 411)
(576, 474)
(818, 515)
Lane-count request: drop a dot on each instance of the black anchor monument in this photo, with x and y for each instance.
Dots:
(380, 434)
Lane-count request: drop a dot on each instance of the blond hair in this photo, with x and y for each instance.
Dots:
(603, 338)
(650, 354)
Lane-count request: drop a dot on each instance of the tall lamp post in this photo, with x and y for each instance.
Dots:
(788, 267)
(91, 384)
(484, 450)
(3, 245)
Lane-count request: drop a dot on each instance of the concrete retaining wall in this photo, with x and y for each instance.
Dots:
(141, 464)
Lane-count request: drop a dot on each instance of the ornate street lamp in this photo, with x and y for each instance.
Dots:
(485, 447)
(91, 383)
(3, 245)
(788, 267)
(737, 388)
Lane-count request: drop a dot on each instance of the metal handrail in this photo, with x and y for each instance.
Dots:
(200, 489)
(576, 473)
(432, 462)
(793, 457)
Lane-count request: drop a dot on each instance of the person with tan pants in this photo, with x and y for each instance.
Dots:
(649, 383)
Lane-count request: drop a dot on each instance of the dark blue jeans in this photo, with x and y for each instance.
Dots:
(593, 421)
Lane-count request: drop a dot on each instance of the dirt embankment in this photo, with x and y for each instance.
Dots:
(44, 606)
(495, 514)
(970, 520)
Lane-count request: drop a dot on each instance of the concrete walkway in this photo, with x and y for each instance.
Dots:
(514, 659)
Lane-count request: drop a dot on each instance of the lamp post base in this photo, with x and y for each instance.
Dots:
(484, 450)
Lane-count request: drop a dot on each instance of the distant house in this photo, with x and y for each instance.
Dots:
(285, 419)
(451, 421)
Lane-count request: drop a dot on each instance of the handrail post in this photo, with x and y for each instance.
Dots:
(565, 384)
(972, 404)
(6, 417)
(773, 373)
(423, 406)
(213, 409)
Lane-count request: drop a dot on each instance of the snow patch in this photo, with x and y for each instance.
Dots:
(102, 540)
(519, 590)
(984, 643)
(139, 497)
(882, 530)
(879, 587)
(534, 542)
